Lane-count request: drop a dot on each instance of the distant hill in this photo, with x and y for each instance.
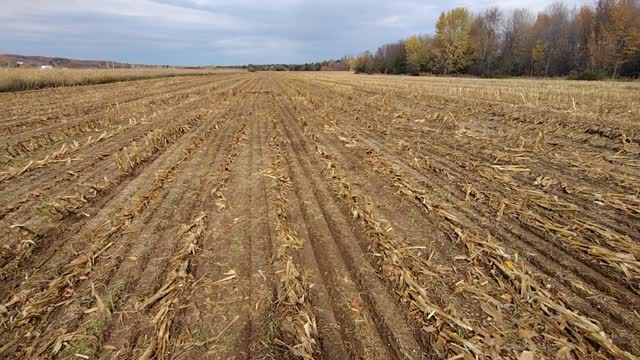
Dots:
(35, 61)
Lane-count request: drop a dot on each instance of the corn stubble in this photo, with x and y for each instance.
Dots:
(500, 218)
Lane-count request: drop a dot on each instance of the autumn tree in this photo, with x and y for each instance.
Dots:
(485, 40)
(602, 42)
(453, 41)
(420, 53)
(584, 24)
(625, 31)
(517, 43)
(584, 43)
(364, 63)
(391, 58)
(538, 56)
(554, 28)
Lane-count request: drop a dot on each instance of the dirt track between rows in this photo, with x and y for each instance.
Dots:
(325, 216)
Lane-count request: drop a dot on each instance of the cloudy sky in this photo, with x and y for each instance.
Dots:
(223, 32)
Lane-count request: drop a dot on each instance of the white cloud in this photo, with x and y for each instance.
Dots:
(267, 47)
(145, 9)
(390, 20)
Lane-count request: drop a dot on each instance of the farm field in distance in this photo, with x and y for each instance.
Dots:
(12, 79)
(321, 215)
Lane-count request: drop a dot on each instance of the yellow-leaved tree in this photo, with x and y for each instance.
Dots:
(625, 28)
(420, 53)
(453, 40)
(537, 58)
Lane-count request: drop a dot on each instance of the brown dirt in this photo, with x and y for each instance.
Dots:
(325, 216)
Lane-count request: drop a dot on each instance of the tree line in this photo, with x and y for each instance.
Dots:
(342, 64)
(587, 42)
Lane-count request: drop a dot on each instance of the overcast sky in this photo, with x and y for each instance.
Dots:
(222, 32)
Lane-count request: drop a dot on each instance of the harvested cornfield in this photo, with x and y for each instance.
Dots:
(324, 216)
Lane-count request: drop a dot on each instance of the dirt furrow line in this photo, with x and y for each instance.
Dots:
(181, 204)
(296, 325)
(261, 234)
(363, 290)
(223, 270)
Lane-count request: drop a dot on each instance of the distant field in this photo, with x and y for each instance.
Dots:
(321, 216)
(16, 79)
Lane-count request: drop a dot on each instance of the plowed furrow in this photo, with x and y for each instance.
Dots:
(334, 238)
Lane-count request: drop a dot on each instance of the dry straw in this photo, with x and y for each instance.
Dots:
(296, 328)
(33, 79)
